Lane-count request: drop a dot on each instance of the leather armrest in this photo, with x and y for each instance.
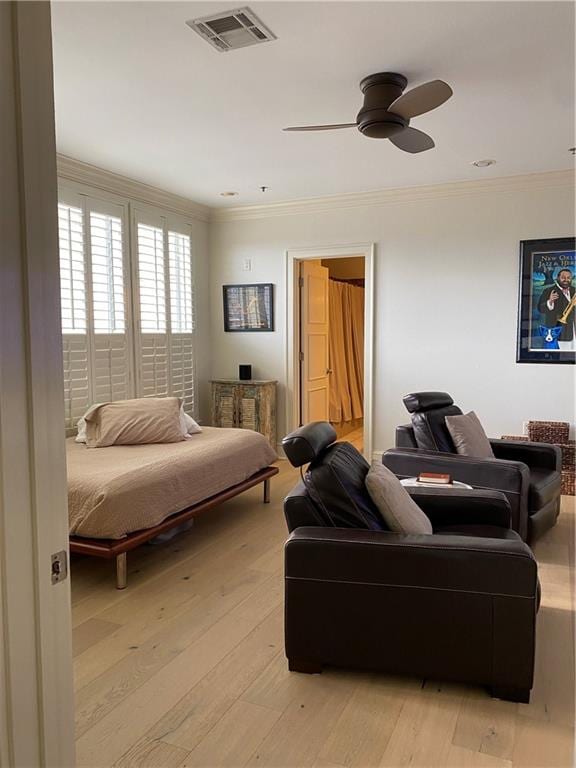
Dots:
(481, 473)
(543, 455)
(405, 436)
(455, 563)
(300, 510)
(447, 506)
(510, 477)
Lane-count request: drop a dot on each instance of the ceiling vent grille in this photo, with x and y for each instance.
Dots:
(232, 29)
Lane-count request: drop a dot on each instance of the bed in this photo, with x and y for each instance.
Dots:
(124, 495)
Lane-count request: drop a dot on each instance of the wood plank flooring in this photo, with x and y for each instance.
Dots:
(186, 667)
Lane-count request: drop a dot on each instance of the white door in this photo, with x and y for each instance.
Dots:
(314, 338)
(36, 701)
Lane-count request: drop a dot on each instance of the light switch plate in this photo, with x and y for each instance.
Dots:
(247, 265)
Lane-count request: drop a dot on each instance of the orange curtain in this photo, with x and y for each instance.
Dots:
(346, 351)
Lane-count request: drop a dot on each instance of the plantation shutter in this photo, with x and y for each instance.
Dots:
(111, 346)
(77, 392)
(95, 304)
(164, 307)
(153, 363)
(181, 317)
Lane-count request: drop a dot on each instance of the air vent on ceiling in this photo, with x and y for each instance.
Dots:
(232, 29)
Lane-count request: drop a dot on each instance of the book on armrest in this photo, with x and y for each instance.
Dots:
(434, 478)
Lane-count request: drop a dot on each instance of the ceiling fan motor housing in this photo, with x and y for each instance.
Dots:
(380, 90)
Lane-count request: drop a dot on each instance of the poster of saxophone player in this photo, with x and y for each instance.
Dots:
(547, 305)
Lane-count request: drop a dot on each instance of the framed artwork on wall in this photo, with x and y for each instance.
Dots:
(547, 301)
(249, 307)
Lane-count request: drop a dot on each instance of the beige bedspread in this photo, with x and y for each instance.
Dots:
(123, 488)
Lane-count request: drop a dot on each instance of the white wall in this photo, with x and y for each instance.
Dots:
(445, 304)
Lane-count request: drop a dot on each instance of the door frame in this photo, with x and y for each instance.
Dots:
(36, 691)
(293, 257)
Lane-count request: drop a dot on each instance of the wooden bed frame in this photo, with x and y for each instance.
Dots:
(118, 548)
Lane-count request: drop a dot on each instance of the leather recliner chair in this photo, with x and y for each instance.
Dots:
(529, 474)
(456, 605)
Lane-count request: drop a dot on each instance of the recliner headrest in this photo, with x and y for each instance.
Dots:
(426, 401)
(306, 443)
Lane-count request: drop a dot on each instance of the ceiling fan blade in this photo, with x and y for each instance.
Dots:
(319, 127)
(412, 140)
(421, 99)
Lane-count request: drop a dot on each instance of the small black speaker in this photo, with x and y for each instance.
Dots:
(245, 372)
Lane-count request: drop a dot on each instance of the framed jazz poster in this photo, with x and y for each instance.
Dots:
(547, 301)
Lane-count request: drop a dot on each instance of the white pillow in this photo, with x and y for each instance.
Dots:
(187, 425)
(81, 426)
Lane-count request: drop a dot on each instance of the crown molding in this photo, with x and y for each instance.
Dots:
(77, 171)
(524, 183)
(97, 178)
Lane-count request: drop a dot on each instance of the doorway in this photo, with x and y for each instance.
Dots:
(330, 306)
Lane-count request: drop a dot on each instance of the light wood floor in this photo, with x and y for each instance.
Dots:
(186, 667)
(356, 437)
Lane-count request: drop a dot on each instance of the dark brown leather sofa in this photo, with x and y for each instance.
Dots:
(456, 605)
(529, 474)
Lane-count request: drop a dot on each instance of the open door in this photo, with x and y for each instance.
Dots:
(314, 342)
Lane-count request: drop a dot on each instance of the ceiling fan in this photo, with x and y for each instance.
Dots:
(387, 110)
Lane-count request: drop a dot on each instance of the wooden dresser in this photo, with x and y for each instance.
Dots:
(246, 405)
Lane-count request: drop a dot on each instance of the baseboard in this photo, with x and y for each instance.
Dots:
(377, 456)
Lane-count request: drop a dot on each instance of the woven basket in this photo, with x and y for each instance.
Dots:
(523, 438)
(568, 455)
(548, 431)
(568, 482)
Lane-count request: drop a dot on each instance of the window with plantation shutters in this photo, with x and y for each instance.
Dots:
(107, 258)
(181, 318)
(111, 347)
(151, 279)
(73, 312)
(180, 283)
(96, 340)
(165, 356)
(72, 283)
(127, 303)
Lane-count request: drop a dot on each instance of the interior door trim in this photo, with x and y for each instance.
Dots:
(293, 257)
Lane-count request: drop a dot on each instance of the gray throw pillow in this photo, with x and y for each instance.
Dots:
(469, 437)
(399, 510)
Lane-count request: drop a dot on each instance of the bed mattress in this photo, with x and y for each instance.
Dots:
(124, 488)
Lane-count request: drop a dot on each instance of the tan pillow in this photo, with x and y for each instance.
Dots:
(133, 422)
(399, 510)
(469, 436)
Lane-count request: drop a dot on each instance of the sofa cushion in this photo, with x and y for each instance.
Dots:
(335, 482)
(399, 510)
(545, 485)
(468, 436)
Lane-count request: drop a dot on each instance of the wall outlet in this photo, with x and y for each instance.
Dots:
(247, 265)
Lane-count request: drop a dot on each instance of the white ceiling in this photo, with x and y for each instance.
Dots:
(139, 93)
